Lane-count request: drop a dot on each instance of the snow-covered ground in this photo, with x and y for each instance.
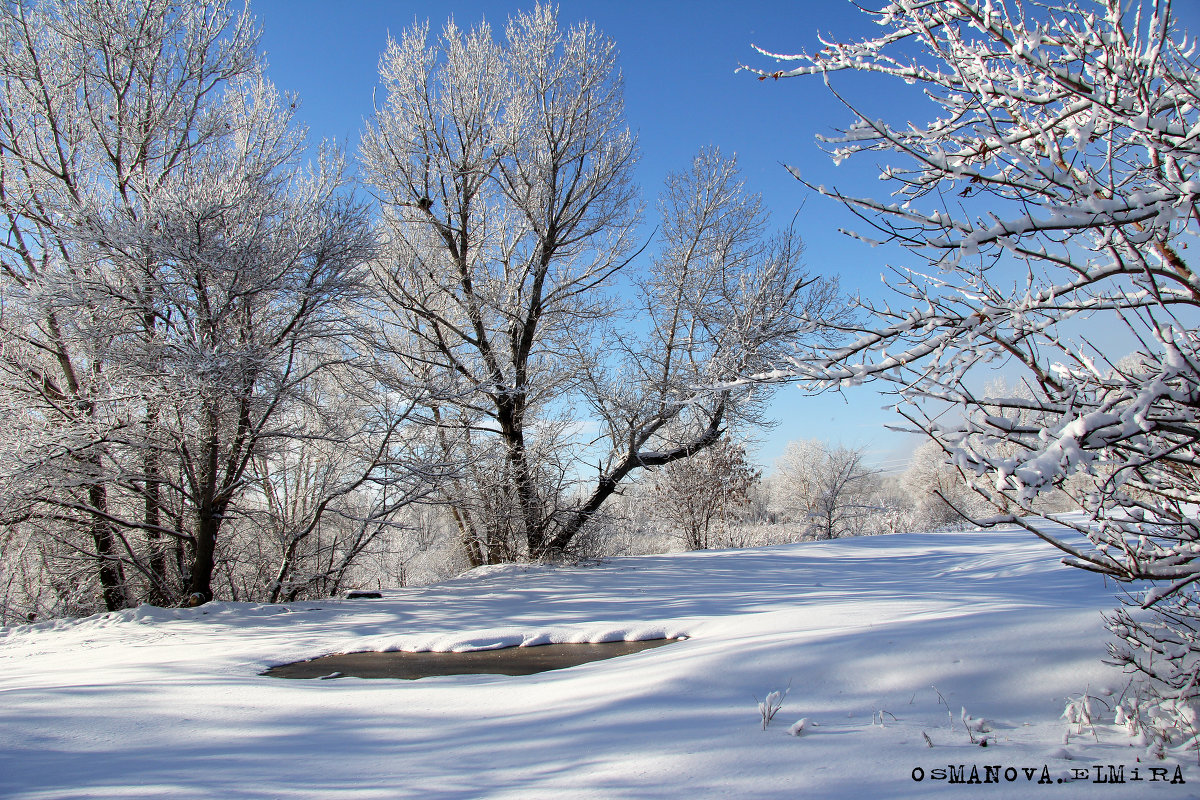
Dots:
(169, 703)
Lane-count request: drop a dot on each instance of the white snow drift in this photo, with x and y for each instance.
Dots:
(899, 651)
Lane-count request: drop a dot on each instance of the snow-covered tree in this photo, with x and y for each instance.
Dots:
(1051, 193)
(504, 167)
(699, 496)
(830, 488)
(254, 263)
(99, 105)
(936, 491)
(174, 275)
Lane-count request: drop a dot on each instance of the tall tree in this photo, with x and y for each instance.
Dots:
(725, 298)
(100, 104)
(256, 261)
(504, 168)
(172, 275)
(505, 173)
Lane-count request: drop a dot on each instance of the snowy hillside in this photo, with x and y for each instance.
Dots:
(169, 703)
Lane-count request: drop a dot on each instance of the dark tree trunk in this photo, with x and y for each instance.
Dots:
(609, 482)
(208, 524)
(111, 572)
(158, 593)
(533, 525)
(209, 514)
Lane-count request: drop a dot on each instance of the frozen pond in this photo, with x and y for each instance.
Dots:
(502, 661)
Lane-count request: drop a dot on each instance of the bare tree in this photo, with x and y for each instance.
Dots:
(829, 487)
(255, 263)
(100, 103)
(174, 278)
(725, 299)
(938, 491)
(504, 169)
(505, 173)
(1054, 187)
(699, 496)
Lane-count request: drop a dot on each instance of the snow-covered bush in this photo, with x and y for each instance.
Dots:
(703, 497)
(1050, 192)
(1163, 646)
(770, 705)
(1080, 714)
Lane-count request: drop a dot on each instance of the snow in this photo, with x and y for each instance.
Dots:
(881, 640)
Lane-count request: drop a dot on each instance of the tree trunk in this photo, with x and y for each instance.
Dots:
(609, 482)
(208, 524)
(158, 593)
(285, 567)
(209, 514)
(468, 537)
(533, 526)
(112, 574)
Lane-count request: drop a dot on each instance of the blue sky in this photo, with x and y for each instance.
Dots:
(681, 93)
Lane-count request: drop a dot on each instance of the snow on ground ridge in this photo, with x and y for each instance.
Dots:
(497, 638)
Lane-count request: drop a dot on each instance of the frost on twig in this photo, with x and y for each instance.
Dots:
(769, 706)
(974, 725)
(942, 700)
(1079, 712)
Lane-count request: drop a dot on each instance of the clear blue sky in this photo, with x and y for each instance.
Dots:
(681, 92)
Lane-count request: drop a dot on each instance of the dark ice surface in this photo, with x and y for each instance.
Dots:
(502, 661)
